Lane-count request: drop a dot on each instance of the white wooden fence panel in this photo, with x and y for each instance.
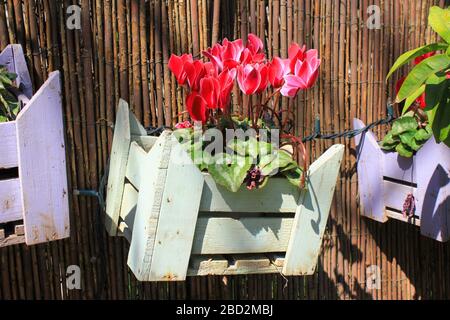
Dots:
(312, 214)
(42, 170)
(8, 138)
(10, 201)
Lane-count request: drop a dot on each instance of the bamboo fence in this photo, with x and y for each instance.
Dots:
(122, 51)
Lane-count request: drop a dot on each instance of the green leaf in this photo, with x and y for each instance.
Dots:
(3, 118)
(423, 135)
(276, 162)
(404, 151)
(439, 20)
(436, 87)
(411, 55)
(389, 142)
(407, 139)
(441, 123)
(230, 171)
(412, 98)
(421, 73)
(294, 176)
(404, 124)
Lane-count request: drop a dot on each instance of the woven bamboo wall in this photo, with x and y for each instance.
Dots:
(122, 51)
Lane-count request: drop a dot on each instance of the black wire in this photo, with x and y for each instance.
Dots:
(349, 133)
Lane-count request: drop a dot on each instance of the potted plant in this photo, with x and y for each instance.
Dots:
(229, 193)
(34, 204)
(406, 176)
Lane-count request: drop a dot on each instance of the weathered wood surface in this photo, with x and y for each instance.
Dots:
(117, 167)
(395, 194)
(277, 196)
(8, 138)
(128, 210)
(370, 174)
(154, 169)
(432, 165)
(244, 235)
(233, 265)
(42, 169)
(312, 213)
(10, 201)
(177, 217)
(135, 159)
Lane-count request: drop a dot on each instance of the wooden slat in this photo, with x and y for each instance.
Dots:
(42, 170)
(398, 168)
(312, 214)
(277, 196)
(117, 168)
(245, 235)
(395, 194)
(135, 159)
(128, 209)
(8, 137)
(10, 201)
(14, 59)
(178, 217)
(11, 241)
(370, 174)
(154, 169)
(398, 216)
(239, 265)
(433, 191)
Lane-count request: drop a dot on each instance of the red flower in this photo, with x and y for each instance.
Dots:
(448, 75)
(197, 107)
(210, 90)
(254, 44)
(177, 66)
(183, 125)
(278, 69)
(423, 57)
(305, 74)
(226, 81)
(195, 72)
(253, 78)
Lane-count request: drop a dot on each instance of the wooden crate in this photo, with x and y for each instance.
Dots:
(34, 204)
(181, 223)
(386, 179)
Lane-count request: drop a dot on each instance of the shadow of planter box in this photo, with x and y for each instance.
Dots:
(34, 204)
(181, 223)
(386, 179)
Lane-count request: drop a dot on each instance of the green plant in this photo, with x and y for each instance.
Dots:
(246, 161)
(9, 104)
(428, 81)
(408, 135)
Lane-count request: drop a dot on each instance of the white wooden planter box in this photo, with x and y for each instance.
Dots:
(34, 204)
(180, 223)
(386, 179)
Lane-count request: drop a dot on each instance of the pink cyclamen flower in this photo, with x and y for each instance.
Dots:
(183, 125)
(278, 69)
(225, 56)
(253, 78)
(305, 74)
(295, 54)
